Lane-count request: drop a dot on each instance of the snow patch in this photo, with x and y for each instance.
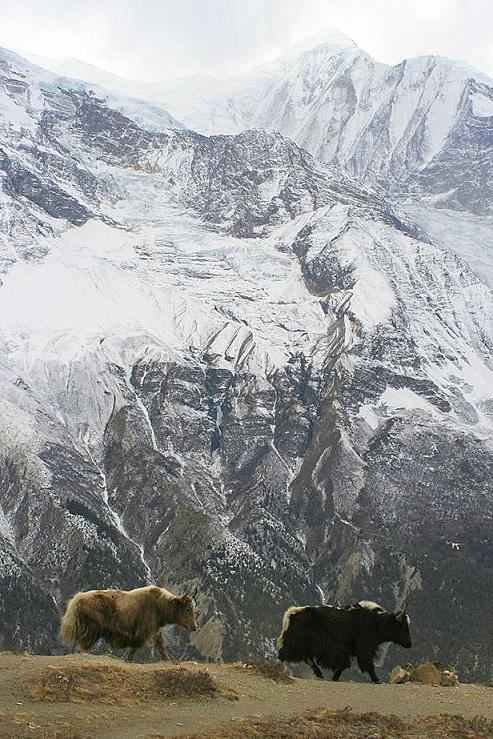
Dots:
(367, 413)
(403, 398)
(482, 106)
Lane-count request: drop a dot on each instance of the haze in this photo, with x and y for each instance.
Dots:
(163, 39)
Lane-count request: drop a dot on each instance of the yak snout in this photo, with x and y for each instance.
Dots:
(404, 639)
(187, 620)
(403, 635)
(191, 626)
(186, 613)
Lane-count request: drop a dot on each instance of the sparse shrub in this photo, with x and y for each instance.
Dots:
(120, 685)
(480, 723)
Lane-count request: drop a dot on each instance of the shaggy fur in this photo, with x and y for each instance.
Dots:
(125, 618)
(331, 636)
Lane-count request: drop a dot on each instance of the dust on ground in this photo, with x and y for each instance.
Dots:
(81, 696)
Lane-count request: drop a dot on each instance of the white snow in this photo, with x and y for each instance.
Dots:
(469, 235)
(404, 398)
(6, 528)
(482, 106)
(367, 413)
(14, 115)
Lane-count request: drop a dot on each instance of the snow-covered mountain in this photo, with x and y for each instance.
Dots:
(421, 130)
(227, 364)
(417, 127)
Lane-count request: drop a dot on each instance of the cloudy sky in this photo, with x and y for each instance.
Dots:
(162, 39)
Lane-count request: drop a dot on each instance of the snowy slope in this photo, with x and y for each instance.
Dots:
(29, 90)
(422, 130)
(392, 125)
(220, 339)
(387, 124)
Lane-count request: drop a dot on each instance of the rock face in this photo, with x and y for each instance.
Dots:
(228, 365)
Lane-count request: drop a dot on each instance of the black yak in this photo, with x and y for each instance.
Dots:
(125, 618)
(330, 636)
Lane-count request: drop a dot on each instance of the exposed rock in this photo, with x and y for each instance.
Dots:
(449, 679)
(431, 673)
(426, 673)
(399, 675)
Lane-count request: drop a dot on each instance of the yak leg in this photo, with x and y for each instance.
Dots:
(337, 674)
(373, 674)
(365, 664)
(344, 663)
(316, 669)
(160, 645)
(136, 638)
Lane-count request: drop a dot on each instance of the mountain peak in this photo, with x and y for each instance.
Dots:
(328, 37)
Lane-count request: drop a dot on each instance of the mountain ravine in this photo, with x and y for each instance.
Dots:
(227, 365)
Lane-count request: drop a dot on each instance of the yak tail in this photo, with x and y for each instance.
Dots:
(70, 626)
(76, 628)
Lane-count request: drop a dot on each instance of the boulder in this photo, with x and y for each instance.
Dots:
(399, 675)
(426, 673)
(449, 678)
(431, 673)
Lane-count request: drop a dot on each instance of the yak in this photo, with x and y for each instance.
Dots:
(125, 618)
(332, 635)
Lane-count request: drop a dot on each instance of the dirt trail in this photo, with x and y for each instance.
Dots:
(135, 703)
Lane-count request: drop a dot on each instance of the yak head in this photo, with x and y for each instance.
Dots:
(399, 628)
(185, 612)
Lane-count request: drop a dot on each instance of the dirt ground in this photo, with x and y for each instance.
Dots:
(75, 697)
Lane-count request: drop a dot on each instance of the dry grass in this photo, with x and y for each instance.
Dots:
(120, 684)
(275, 671)
(482, 724)
(328, 724)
